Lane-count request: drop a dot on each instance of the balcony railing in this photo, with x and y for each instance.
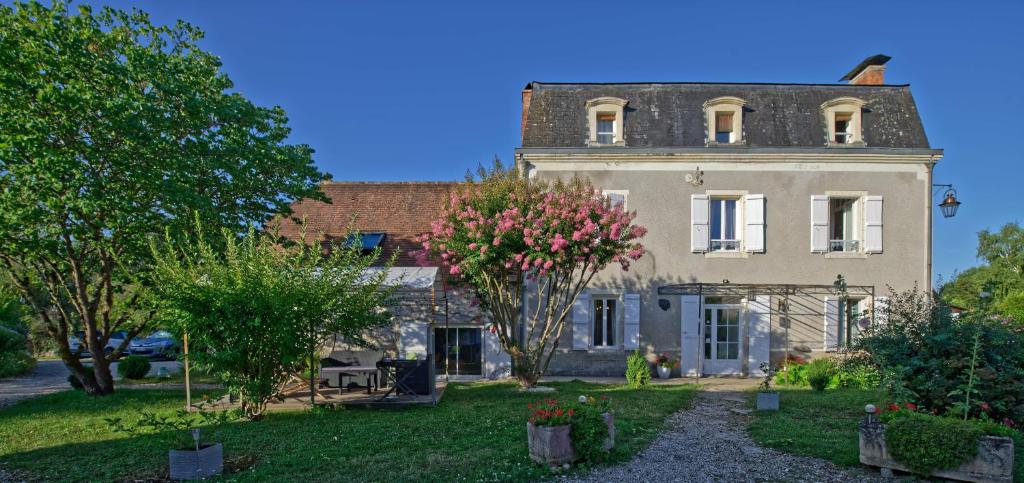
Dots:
(844, 245)
(725, 245)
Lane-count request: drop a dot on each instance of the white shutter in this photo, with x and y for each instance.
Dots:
(699, 216)
(880, 311)
(413, 338)
(760, 333)
(873, 224)
(581, 322)
(819, 223)
(691, 323)
(631, 327)
(497, 362)
(753, 238)
(831, 323)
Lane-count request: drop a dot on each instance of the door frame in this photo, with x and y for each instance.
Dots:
(741, 322)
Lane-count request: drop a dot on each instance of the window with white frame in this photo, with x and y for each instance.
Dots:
(724, 119)
(843, 229)
(616, 198)
(605, 320)
(843, 121)
(605, 119)
(725, 226)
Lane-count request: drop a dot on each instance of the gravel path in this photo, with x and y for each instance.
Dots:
(709, 443)
(52, 376)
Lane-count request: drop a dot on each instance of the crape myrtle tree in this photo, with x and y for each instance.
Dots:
(510, 238)
(113, 130)
(257, 312)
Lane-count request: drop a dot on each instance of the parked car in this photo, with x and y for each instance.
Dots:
(158, 345)
(75, 343)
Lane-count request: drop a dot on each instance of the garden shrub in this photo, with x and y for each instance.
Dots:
(820, 372)
(638, 372)
(926, 354)
(133, 367)
(856, 374)
(589, 432)
(14, 356)
(926, 443)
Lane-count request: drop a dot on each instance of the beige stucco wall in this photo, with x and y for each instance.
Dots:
(661, 198)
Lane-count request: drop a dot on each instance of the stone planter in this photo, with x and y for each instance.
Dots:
(994, 462)
(664, 372)
(552, 445)
(196, 465)
(767, 401)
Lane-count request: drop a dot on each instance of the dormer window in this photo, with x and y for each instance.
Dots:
(605, 120)
(724, 119)
(843, 121)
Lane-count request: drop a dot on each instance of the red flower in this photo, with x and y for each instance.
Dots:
(894, 407)
(559, 412)
(910, 406)
(572, 411)
(1008, 422)
(529, 405)
(985, 407)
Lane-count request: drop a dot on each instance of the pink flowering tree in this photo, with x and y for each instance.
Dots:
(514, 241)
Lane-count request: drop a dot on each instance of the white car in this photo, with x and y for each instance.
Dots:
(75, 343)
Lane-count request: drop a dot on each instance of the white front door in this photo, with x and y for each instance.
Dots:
(723, 351)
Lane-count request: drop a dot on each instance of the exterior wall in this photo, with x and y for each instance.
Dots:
(661, 198)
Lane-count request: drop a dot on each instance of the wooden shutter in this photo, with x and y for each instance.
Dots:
(873, 224)
(631, 326)
(753, 237)
(581, 322)
(831, 323)
(819, 223)
(723, 122)
(759, 333)
(414, 338)
(691, 323)
(699, 223)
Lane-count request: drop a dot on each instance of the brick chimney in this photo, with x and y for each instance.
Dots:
(870, 72)
(527, 95)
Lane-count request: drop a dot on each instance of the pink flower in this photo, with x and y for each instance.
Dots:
(454, 270)
(548, 264)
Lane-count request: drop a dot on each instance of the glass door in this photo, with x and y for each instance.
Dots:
(722, 346)
(458, 351)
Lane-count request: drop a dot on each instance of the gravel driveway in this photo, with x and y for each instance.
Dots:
(709, 443)
(52, 376)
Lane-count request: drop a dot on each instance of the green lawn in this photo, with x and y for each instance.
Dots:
(476, 433)
(824, 425)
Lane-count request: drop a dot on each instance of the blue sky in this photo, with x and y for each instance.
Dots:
(424, 90)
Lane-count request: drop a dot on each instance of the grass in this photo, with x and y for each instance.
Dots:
(824, 425)
(476, 433)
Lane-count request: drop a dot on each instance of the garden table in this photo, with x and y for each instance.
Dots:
(369, 371)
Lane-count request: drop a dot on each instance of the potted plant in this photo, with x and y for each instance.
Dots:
(191, 458)
(559, 433)
(767, 400)
(665, 365)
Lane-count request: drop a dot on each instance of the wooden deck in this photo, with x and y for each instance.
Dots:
(332, 398)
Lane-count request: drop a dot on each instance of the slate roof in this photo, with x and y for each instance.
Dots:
(661, 115)
(401, 210)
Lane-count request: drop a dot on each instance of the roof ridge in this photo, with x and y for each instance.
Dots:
(409, 183)
(648, 83)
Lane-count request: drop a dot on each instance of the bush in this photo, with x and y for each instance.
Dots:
(820, 373)
(926, 443)
(133, 367)
(14, 356)
(927, 354)
(638, 372)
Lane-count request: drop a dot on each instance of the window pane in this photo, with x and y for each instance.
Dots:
(598, 322)
(610, 328)
(616, 199)
(723, 137)
(707, 333)
(730, 220)
(716, 219)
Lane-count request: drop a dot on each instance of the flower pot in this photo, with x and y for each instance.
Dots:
(196, 465)
(550, 445)
(767, 401)
(993, 463)
(664, 372)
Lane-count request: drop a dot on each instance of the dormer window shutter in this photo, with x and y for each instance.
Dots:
(699, 223)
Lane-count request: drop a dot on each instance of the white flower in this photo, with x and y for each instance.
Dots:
(583, 399)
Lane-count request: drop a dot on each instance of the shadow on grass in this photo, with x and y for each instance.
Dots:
(477, 432)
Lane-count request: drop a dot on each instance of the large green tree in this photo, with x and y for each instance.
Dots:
(113, 129)
(257, 312)
(997, 285)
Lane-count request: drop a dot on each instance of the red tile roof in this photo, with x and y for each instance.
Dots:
(402, 210)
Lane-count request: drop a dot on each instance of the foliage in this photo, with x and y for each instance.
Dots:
(1012, 305)
(258, 312)
(766, 379)
(482, 425)
(820, 372)
(133, 367)
(14, 356)
(926, 443)
(792, 372)
(589, 429)
(638, 372)
(502, 234)
(182, 422)
(113, 129)
(667, 362)
(1001, 277)
(925, 356)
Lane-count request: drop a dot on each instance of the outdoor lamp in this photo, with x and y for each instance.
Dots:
(949, 205)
